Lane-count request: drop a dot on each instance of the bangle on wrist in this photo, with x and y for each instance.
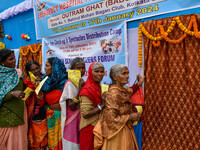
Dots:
(76, 100)
(100, 108)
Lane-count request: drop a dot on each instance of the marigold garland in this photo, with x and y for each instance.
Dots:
(1, 30)
(22, 53)
(31, 49)
(164, 35)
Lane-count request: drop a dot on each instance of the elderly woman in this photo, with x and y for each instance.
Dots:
(114, 129)
(37, 134)
(52, 88)
(70, 114)
(90, 105)
(13, 115)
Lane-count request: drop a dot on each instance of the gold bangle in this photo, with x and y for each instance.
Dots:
(76, 100)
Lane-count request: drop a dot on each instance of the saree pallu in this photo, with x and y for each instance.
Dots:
(71, 137)
(38, 134)
(87, 138)
(54, 129)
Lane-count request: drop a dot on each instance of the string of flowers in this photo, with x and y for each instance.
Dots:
(164, 35)
(29, 48)
(40, 59)
(20, 60)
(140, 45)
(142, 29)
(1, 30)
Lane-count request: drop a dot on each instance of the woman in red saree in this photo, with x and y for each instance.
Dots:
(37, 134)
(90, 105)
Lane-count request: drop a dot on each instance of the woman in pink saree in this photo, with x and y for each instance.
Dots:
(70, 114)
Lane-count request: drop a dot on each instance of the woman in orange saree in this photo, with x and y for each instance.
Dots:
(37, 134)
(114, 129)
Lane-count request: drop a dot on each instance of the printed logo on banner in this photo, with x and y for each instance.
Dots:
(104, 44)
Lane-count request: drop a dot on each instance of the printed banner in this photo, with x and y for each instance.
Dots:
(61, 16)
(105, 44)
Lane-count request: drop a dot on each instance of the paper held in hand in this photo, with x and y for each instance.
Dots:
(33, 78)
(104, 88)
(139, 109)
(27, 92)
(74, 76)
(37, 90)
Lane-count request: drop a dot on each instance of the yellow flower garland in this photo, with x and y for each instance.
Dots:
(22, 53)
(164, 35)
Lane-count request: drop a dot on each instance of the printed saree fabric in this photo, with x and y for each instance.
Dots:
(172, 90)
(114, 130)
(37, 134)
(54, 121)
(8, 80)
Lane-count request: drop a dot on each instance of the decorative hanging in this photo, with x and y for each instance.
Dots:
(8, 37)
(36, 51)
(164, 35)
(21, 7)
(25, 36)
(1, 30)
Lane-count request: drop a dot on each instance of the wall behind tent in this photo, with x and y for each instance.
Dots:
(15, 26)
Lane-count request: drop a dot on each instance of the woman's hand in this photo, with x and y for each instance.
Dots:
(140, 79)
(55, 107)
(134, 116)
(40, 96)
(72, 104)
(81, 83)
(18, 94)
(37, 81)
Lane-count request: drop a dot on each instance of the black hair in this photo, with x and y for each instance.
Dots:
(4, 54)
(29, 64)
(50, 60)
(75, 62)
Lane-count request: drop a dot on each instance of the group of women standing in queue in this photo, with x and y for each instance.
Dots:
(62, 115)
